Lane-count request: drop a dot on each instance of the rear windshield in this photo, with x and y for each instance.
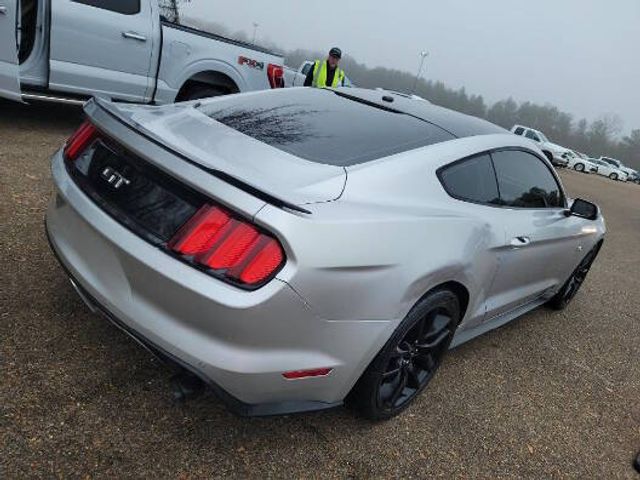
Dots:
(324, 127)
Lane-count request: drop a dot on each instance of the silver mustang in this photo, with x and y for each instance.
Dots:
(300, 248)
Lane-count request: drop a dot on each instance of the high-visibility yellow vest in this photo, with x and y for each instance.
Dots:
(320, 75)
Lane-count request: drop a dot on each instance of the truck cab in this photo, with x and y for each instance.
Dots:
(556, 154)
(121, 50)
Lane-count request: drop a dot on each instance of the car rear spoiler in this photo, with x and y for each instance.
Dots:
(112, 110)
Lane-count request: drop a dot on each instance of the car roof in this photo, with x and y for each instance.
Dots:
(342, 127)
(458, 124)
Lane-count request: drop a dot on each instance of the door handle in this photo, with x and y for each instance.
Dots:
(134, 36)
(3, 10)
(520, 241)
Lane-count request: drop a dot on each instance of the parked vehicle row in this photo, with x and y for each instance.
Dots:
(70, 50)
(564, 157)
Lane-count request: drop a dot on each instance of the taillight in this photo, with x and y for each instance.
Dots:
(230, 247)
(276, 75)
(80, 140)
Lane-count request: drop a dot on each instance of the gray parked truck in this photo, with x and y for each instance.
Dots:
(125, 50)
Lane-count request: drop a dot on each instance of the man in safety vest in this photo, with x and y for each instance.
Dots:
(326, 73)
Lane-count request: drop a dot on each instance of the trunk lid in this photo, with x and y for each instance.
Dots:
(185, 130)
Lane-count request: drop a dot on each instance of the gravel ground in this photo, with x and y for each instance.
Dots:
(550, 395)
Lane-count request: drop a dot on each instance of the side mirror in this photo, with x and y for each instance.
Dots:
(583, 209)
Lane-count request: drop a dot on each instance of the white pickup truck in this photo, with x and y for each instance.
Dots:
(556, 154)
(69, 50)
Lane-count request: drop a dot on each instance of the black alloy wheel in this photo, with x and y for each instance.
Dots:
(575, 281)
(409, 360)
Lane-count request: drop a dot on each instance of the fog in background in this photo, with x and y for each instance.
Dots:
(580, 55)
(569, 68)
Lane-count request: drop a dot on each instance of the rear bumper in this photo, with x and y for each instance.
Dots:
(239, 342)
(232, 403)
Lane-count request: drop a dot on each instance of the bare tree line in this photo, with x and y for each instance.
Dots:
(596, 138)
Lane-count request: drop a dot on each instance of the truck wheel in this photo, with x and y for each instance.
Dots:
(613, 176)
(201, 91)
(579, 167)
(549, 156)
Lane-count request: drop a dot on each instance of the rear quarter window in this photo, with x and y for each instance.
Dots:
(472, 179)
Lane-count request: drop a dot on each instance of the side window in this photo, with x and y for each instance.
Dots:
(525, 181)
(306, 68)
(519, 131)
(472, 179)
(126, 7)
(532, 136)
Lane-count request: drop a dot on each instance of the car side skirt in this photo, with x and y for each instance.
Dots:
(496, 322)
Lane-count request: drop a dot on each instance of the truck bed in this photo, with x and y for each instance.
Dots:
(195, 31)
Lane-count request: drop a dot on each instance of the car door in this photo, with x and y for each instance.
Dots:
(542, 244)
(102, 48)
(9, 77)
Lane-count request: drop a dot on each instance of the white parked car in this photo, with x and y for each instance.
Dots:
(581, 163)
(631, 173)
(608, 170)
(555, 153)
(70, 50)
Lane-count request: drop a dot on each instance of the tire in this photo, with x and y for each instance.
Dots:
(201, 91)
(549, 156)
(613, 176)
(568, 291)
(409, 359)
(579, 167)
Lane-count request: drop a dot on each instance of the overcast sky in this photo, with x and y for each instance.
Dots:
(580, 55)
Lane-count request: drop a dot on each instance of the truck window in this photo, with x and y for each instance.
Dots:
(27, 31)
(126, 7)
(519, 131)
(532, 136)
(306, 68)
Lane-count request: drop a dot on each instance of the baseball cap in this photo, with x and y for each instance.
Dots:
(335, 52)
